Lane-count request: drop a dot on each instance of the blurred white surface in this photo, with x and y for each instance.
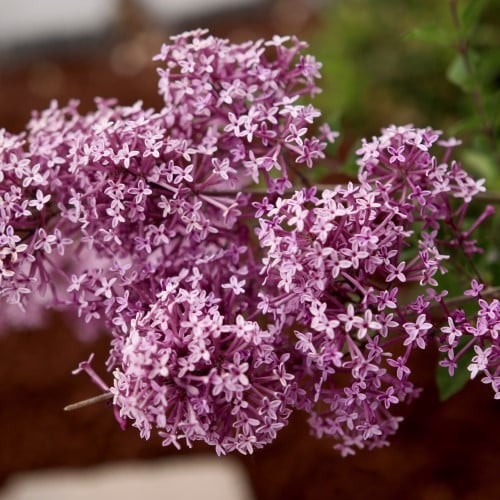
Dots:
(26, 21)
(174, 10)
(185, 478)
(29, 21)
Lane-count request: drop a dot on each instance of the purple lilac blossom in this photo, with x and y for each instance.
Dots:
(143, 221)
(137, 219)
(194, 374)
(131, 190)
(334, 268)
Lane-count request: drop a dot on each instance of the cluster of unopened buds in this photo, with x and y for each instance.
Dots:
(233, 297)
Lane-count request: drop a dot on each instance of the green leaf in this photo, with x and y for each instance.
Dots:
(470, 124)
(448, 386)
(457, 73)
(431, 33)
(469, 16)
(479, 163)
(318, 173)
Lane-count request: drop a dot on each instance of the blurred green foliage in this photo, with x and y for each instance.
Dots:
(430, 63)
(387, 61)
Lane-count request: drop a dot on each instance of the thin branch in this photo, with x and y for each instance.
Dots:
(88, 402)
(488, 197)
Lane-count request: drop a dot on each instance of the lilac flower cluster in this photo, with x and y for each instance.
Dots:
(191, 375)
(481, 332)
(138, 188)
(226, 313)
(335, 266)
(137, 220)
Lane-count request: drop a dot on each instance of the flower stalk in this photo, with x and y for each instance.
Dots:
(88, 402)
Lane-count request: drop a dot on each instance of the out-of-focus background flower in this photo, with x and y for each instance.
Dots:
(384, 62)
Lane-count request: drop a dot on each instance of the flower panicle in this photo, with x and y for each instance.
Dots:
(228, 314)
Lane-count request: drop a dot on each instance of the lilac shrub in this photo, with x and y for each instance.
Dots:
(227, 312)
